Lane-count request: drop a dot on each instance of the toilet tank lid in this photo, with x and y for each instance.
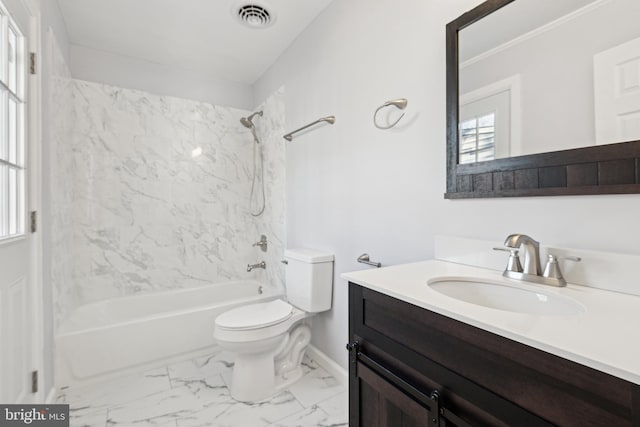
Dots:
(308, 255)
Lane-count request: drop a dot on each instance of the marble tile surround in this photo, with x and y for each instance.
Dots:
(60, 122)
(137, 212)
(270, 128)
(195, 393)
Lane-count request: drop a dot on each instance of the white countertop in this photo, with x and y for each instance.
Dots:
(605, 337)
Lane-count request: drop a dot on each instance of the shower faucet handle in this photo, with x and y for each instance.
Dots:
(262, 243)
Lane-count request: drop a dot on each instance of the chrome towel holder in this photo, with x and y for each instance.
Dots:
(364, 259)
(329, 119)
(400, 103)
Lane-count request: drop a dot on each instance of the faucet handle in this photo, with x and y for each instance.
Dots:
(262, 243)
(514, 260)
(567, 257)
(552, 269)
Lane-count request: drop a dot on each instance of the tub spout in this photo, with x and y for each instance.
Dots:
(262, 265)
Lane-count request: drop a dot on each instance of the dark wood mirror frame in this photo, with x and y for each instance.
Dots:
(603, 169)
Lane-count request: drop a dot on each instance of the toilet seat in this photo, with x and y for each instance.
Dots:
(255, 316)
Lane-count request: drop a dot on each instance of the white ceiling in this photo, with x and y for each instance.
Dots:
(197, 35)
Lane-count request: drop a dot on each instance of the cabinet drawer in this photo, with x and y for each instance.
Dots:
(558, 390)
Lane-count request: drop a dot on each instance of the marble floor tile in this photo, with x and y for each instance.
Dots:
(336, 405)
(234, 413)
(86, 400)
(312, 416)
(202, 367)
(195, 393)
(209, 390)
(97, 418)
(159, 409)
(315, 386)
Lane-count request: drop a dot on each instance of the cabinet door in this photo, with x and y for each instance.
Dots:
(382, 404)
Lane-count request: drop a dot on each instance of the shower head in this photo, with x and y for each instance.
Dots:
(246, 121)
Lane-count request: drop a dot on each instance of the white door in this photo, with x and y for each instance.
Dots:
(617, 93)
(16, 314)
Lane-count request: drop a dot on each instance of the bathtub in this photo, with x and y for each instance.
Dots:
(122, 334)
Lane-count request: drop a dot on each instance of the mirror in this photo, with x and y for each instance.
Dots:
(540, 75)
(539, 84)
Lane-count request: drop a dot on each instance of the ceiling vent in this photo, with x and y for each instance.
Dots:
(254, 16)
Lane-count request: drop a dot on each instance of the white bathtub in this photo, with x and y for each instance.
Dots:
(122, 334)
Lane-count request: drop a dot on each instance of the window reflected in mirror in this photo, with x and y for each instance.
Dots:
(568, 71)
(477, 139)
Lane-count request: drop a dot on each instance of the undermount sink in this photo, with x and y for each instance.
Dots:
(505, 297)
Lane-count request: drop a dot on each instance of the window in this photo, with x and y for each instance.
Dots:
(477, 139)
(490, 122)
(12, 128)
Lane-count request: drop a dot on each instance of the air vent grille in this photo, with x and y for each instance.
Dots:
(254, 16)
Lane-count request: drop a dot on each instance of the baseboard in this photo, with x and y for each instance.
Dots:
(329, 364)
(51, 396)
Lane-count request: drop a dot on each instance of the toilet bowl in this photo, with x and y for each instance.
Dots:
(269, 339)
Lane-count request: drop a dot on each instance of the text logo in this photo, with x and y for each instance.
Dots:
(34, 415)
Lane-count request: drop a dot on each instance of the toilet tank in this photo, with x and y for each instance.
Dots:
(309, 279)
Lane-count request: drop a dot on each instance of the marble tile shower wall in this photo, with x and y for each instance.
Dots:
(161, 193)
(61, 196)
(271, 127)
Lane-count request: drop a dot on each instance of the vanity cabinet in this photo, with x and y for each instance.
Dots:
(413, 367)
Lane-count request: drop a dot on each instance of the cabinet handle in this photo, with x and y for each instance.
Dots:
(431, 401)
(353, 346)
(354, 349)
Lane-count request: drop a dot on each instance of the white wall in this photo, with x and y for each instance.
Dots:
(132, 73)
(353, 188)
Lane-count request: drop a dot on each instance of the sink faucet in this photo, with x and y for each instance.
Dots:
(258, 265)
(531, 252)
(532, 272)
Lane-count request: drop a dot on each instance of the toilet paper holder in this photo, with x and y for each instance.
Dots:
(364, 259)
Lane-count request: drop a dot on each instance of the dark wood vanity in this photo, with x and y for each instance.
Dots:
(409, 366)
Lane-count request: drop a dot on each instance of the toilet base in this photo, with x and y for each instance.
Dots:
(253, 377)
(260, 375)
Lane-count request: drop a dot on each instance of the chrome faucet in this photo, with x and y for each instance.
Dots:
(532, 272)
(262, 243)
(259, 265)
(531, 252)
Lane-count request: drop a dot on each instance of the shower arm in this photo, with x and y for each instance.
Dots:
(329, 119)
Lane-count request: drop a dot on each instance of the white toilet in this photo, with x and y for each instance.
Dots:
(269, 339)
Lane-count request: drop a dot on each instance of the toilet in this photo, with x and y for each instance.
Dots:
(269, 339)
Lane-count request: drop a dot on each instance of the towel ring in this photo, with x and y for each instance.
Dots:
(400, 103)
